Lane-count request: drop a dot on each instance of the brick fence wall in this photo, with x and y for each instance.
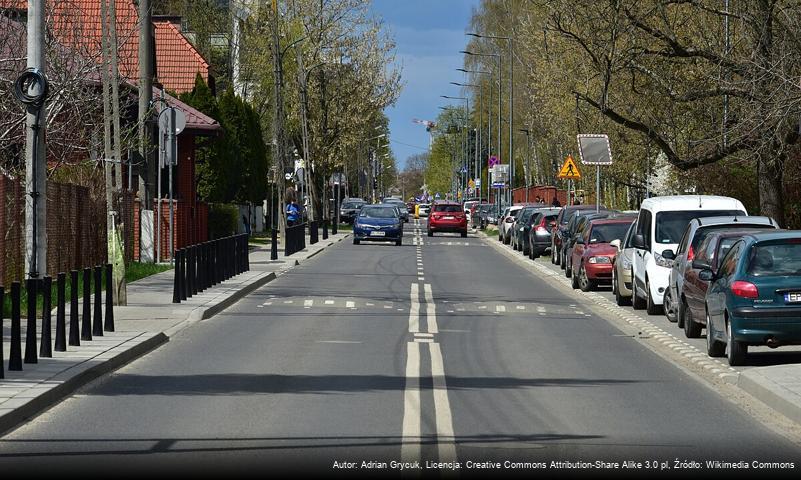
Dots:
(76, 228)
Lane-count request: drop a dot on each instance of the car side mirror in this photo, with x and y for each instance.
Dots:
(638, 241)
(706, 275)
(615, 243)
(701, 265)
(509, 220)
(580, 241)
(669, 254)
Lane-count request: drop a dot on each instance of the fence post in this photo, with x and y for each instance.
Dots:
(75, 338)
(86, 320)
(30, 331)
(15, 350)
(45, 345)
(61, 327)
(109, 323)
(247, 256)
(201, 267)
(97, 326)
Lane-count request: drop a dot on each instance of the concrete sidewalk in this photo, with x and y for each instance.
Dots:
(149, 320)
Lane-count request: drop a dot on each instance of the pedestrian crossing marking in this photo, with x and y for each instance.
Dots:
(308, 303)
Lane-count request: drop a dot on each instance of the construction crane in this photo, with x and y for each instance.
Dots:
(430, 127)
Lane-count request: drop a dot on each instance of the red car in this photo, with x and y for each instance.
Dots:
(592, 254)
(447, 216)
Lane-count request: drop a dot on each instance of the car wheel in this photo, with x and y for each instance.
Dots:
(585, 283)
(399, 242)
(464, 234)
(735, 351)
(714, 348)
(568, 271)
(692, 329)
(650, 307)
(620, 300)
(636, 302)
(553, 254)
(356, 241)
(507, 239)
(430, 233)
(667, 307)
(574, 281)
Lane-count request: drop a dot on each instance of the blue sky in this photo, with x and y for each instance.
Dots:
(429, 35)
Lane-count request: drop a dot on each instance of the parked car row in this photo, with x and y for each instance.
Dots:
(700, 260)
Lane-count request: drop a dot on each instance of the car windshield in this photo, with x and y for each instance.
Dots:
(447, 208)
(670, 226)
(378, 212)
(608, 232)
(352, 205)
(776, 259)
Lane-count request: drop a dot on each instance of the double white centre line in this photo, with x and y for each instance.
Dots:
(412, 412)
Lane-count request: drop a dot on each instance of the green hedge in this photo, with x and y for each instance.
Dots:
(223, 220)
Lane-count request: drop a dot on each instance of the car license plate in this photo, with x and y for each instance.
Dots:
(378, 234)
(450, 217)
(792, 297)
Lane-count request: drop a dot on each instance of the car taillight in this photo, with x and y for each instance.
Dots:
(541, 229)
(744, 289)
(690, 254)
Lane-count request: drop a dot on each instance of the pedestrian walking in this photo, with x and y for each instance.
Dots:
(555, 202)
(292, 213)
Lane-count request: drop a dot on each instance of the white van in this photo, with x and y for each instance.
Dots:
(660, 225)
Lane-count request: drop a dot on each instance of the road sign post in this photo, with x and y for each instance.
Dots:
(595, 150)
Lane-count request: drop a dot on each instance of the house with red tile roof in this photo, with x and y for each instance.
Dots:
(76, 24)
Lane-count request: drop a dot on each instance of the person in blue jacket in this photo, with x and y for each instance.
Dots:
(292, 213)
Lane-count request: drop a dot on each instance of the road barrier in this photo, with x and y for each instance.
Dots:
(295, 239)
(200, 266)
(44, 342)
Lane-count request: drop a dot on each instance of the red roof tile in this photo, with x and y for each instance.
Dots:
(177, 60)
(196, 121)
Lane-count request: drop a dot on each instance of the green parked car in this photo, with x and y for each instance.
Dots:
(754, 297)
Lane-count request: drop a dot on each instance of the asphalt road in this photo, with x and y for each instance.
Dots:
(441, 350)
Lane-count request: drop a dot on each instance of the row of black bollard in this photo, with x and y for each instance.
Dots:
(46, 346)
(200, 266)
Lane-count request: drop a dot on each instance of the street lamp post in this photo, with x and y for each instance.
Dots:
(464, 145)
(511, 101)
(477, 169)
(489, 122)
(527, 165)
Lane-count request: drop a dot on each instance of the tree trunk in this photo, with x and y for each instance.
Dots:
(771, 200)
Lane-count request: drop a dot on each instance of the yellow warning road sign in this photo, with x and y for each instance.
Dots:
(569, 170)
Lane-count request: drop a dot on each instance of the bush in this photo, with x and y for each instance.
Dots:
(223, 220)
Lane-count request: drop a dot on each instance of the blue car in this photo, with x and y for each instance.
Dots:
(754, 296)
(381, 222)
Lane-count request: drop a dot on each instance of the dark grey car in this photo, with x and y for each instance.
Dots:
(349, 209)
(539, 236)
(695, 233)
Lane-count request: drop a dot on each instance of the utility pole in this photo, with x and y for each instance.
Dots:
(34, 94)
(147, 170)
(278, 127)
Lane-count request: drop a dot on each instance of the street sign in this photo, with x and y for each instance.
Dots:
(569, 170)
(594, 149)
(493, 160)
(288, 176)
(498, 184)
(478, 183)
(500, 173)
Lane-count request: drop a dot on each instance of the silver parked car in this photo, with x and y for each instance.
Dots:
(621, 267)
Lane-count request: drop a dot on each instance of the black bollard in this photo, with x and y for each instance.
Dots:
(30, 332)
(334, 227)
(45, 343)
(61, 327)
(325, 229)
(247, 257)
(2, 300)
(312, 233)
(86, 317)
(97, 325)
(15, 351)
(190, 279)
(75, 337)
(176, 280)
(108, 325)
(274, 244)
(201, 267)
